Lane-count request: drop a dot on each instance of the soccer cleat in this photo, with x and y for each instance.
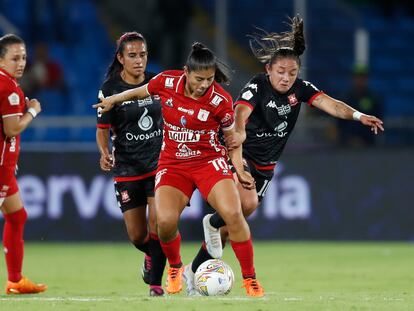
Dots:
(212, 238)
(174, 280)
(146, 269)
(253, 288)
(24, 286)
(188, 276)
(156, 291)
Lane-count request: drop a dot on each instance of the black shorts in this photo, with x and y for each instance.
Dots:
(262, 179)
(132, 194)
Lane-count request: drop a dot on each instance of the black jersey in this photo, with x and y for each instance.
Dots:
(273, 117)
(136, 127)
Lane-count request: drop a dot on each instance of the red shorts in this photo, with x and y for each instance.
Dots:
(8, 182)
(200, 175)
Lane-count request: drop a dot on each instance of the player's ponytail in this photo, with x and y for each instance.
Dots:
(116, 67)
(269, 47)
(202, 58)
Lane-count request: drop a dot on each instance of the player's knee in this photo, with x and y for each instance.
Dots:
(166, 228)
(249, 206)
(138, 237)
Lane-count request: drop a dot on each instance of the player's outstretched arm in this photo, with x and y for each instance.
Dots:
(341, 110)
(107, 103)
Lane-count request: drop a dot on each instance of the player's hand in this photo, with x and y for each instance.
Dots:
(233, 141)
(33, 103)
(106, 162)
(107, 103)
(372, 122)
(246, 180)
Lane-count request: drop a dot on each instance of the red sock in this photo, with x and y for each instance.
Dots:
(13, 243)
(172, 251)
(244, 253)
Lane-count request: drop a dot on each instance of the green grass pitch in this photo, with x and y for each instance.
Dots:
(295, 275)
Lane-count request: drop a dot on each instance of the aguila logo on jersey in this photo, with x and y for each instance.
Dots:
(184, 137)
(216, 100)
(183, 121)
(169, 102)
(293, 101)
(169, 83)
(203, 115)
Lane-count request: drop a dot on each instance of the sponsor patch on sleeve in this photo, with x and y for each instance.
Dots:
(247, 95)
(14, 99)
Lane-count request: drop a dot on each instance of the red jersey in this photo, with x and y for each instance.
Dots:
(12, 103)
(190, 125)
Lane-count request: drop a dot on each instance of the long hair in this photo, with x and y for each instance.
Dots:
(269, 47)
(7, 40)
(116, 67)
(202, 58)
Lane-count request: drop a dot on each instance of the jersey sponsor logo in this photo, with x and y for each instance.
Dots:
(158, 175)
(279, 131)
(216, 100)
(283, 110)
(293, 101)
(203, 115)
(130, 136)
(169, 102)
(183, 121)
(14, 99)
(252, 86)
(183, 137)
(125, 196)
(247, 95)
(169, 83)
(177, 128)
(145, 121)
(188, 111)
(184, 152)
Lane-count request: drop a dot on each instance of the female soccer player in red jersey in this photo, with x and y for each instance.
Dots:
(266, 113)
(137, 135)
(16, 113)
(194, 107)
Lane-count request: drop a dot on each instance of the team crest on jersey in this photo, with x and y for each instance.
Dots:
(293, 101)
(203, 115)
(14, 99)
(183, 121)
(125, 196)
(169, 83)
(169, 102)
(247, 95)
(216, 100)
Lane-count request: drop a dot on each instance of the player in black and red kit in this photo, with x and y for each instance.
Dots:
(194, 107)
(16, 113)
(266, 113)
(136, 127)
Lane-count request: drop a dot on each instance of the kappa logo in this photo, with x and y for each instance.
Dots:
(216, 100)
(271, 104)
(203, 115)
(252, 86)
(14, 99)
(169, 83)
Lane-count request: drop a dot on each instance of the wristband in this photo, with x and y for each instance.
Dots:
(32, 111)
(356, 116)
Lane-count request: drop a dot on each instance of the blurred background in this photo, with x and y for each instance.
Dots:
(335, 180)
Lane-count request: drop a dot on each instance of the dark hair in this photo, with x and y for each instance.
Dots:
(202, 58)
(269, 47)
(7, 40)
(116, 67)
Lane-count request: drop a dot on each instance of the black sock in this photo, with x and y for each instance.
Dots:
(158, 261)
(216, 221)
(202, 256)
(143, 247)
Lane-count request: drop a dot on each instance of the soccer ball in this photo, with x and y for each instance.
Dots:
(214, 278)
